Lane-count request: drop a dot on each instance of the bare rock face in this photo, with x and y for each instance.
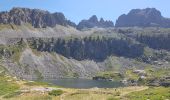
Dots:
(93, 22)
(149, 17)
(38, 18)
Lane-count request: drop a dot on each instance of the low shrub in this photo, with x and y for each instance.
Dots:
(55, 92)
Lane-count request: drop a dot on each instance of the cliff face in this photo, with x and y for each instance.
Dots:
(38, 18)
(93, 22)
(149, 17)
(89, 48)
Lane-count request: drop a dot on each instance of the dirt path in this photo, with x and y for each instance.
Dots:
(132, 89)
(123, 91)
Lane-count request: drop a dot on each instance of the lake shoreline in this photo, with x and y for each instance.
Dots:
(84, 83)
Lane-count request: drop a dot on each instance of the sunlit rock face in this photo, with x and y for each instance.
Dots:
(37, 18)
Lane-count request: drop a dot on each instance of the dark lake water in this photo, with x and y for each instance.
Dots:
(85, 83)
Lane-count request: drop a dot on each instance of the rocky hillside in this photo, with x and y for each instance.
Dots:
(93, 22)
(115, 50)
(97, 49)
(149, 17)
(37, 18)
(21, 60)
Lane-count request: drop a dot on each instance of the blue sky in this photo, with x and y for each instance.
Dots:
(77, 10)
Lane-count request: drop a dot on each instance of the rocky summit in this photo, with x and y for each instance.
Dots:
(93, 22)
(149, 17)
(38, 18)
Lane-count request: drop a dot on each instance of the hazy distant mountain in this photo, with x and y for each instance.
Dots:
(38, 18)
(149, 17)
(93, 22)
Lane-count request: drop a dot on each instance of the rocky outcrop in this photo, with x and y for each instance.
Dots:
(49, 66)
(38, 18)
(89, 48)
(149, 17)
(93, 22)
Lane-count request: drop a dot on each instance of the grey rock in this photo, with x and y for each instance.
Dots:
(37, 18)
(149, 17)
(93, 22)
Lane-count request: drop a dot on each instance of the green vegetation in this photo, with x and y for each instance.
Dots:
(2, 70)
(88, 96)
(7, 85)
(36, 83)
(16, 27)
(38, 74)
(110, 75)
(12, 51)
(117, 93)
(151, 76)
(153, 93)
(112, 98)
(76, 75)
(160, 72)
(129, 74)
(56, 92)
(13, 94)
(8, 26)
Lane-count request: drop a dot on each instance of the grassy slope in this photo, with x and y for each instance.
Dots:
(153, 93)
(7, 85)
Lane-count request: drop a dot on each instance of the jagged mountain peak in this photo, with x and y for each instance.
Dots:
(94, 22)
(149, 17)
(93, 19)
(38, 18)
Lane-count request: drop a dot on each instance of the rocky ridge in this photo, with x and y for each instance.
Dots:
(37, 18)
(93, 22)
(149, 17)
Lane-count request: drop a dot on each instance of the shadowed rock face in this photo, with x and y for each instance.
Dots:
(38, 18)
(148, 17)
(93, 22)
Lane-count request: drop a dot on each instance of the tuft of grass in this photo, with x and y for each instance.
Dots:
(7, 86)
(13, 94)
(56, 92)
(117, 93)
